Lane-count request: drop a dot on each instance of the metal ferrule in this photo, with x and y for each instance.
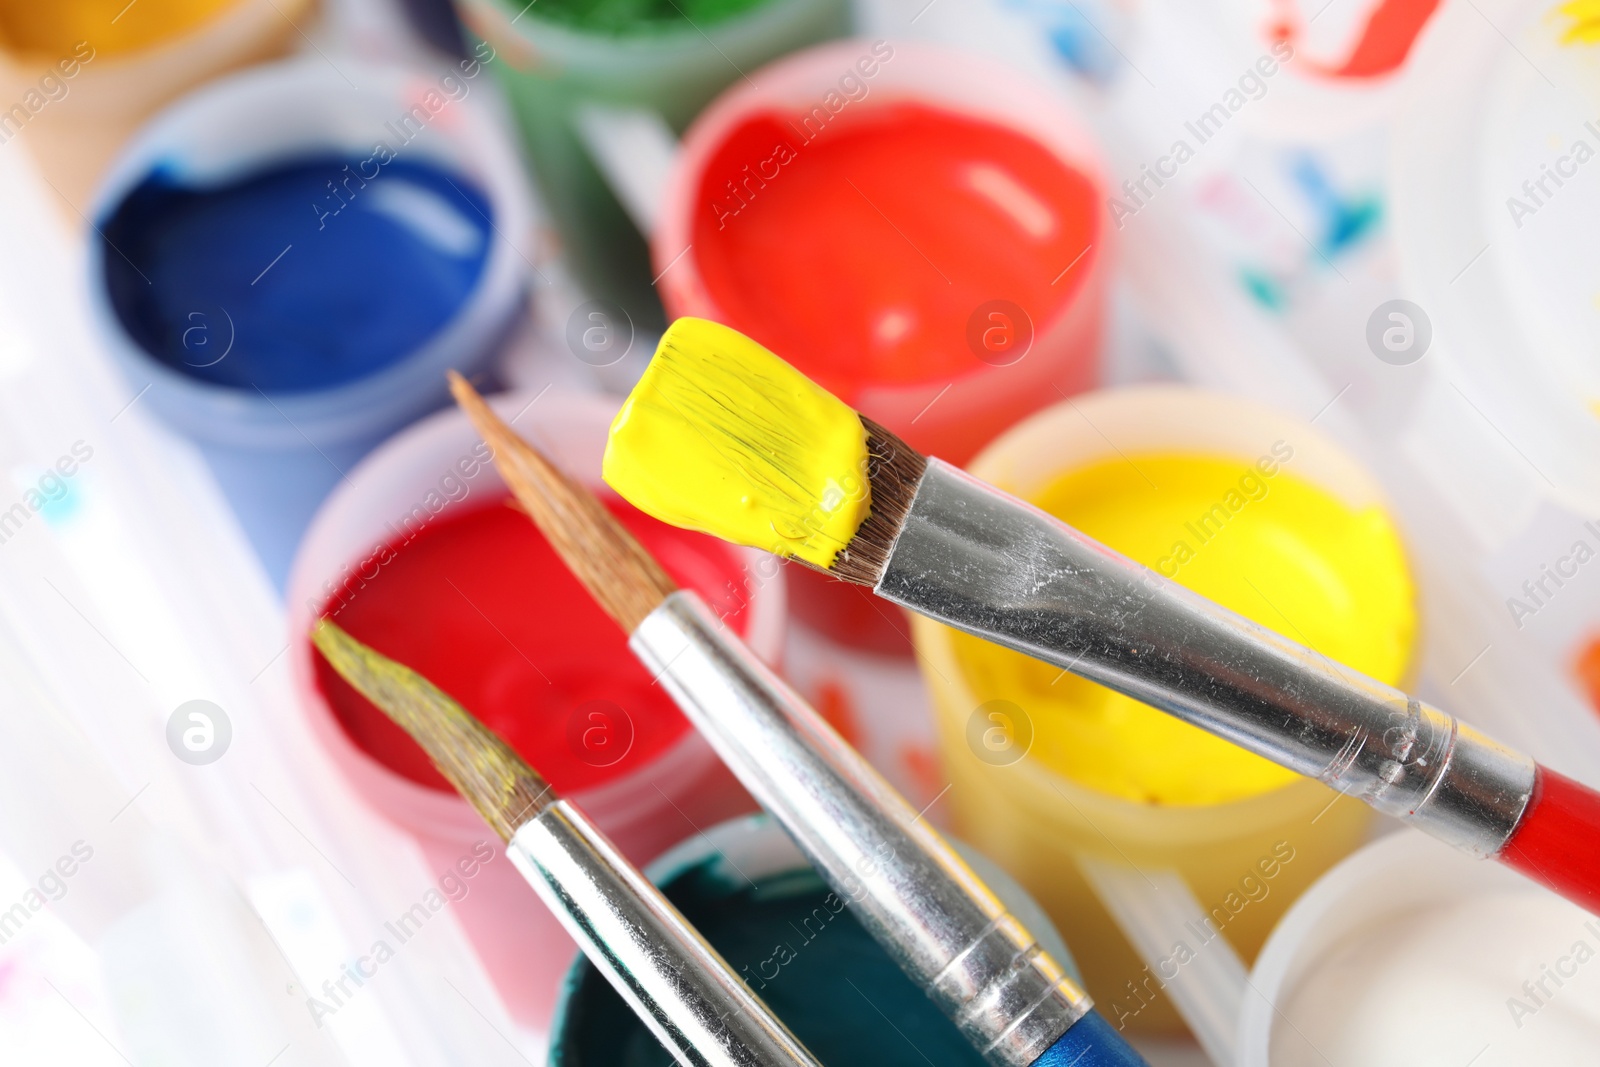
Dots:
(982, 561)
(906, 885)
(673, 980)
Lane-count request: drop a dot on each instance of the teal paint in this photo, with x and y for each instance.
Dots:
(800, 949)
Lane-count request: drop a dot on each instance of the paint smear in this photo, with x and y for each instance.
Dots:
(1585, 16)
(49, 29)
(860, 242)
(1391, 29)
(478, 603)
(1587, 669)
(1255, 539)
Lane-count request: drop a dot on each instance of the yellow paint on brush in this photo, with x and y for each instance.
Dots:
(1585, 16)
(722, 436)
(50, 29)
(1253, 538)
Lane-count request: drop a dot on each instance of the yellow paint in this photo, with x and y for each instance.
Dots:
(1585, 16)
(721, 435)
(1255, 539)
(52, 28)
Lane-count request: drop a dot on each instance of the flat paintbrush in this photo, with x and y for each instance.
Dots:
(721, 435)
(910, 890)
(676, 983)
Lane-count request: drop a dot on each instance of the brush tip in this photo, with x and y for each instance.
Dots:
(624, 578)
(482, 767)
(722, 436)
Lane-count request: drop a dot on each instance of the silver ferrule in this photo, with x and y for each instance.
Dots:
(982, 561)
(906, 885)
(685, 993)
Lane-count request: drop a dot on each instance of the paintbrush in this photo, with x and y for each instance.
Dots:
(677, 984)
(721, 435)
(910, 890)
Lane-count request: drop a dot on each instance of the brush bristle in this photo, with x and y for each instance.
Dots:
(722, 436)
(619, 573)
(499, 783)
(894, 470)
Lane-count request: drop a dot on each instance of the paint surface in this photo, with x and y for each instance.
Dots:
(1379, 48)
(50, 28)
(721, 435)
(799, 948)
(1255, 539)
(623, 16)
(479, 604)
(862, 249)
(1496, 979)
(297, 278)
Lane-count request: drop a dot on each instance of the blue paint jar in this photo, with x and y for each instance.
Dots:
(747, 889)
(286, 262)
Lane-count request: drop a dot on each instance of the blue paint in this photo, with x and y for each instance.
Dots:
(305, 276)
(802, 951)
(1076, 39)
(1345, 222)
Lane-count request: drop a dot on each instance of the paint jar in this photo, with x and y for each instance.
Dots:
(644, 774)
(667, 58)
(946, 255)
(285, 266)
(745, 886)
(1410, 952)
(917, 229)
(85, 75)
(1494, 173)
(1246, 835)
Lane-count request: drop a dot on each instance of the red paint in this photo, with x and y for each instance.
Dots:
(860, 251)
(848, 614)
(1385, 41)
(1557, 843)
(479, 603)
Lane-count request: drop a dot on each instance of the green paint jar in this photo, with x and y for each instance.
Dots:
(666, 56)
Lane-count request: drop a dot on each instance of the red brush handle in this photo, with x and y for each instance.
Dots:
(1557, 843)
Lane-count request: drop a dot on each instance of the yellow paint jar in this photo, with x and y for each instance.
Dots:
(76, 79)
(1250, 507)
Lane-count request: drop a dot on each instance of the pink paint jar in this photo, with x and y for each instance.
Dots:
(426, 491)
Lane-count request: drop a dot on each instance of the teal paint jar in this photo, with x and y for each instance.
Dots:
(747, 889)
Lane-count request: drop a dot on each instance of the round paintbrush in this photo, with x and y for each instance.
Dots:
(678, 985)
(723, 436)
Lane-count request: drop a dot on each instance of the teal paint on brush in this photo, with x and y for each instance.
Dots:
(800, 949)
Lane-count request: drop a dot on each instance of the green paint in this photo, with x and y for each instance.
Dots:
(801, 950)
(631, 16)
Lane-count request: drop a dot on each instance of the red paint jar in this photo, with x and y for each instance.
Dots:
(921, 231)
(419, 554)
